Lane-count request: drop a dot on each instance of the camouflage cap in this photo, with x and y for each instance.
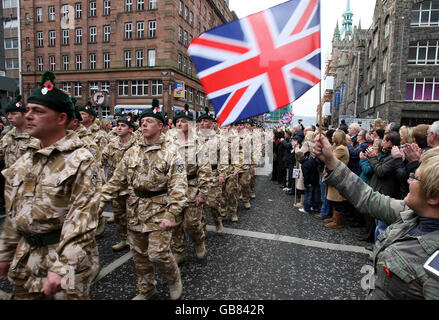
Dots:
(48, 95)
(16, 105)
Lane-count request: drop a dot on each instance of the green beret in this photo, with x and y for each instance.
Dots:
(16, 105)
(128, 120)
(183, 114)
(88, 107)
(206, 115)
(153, 112)
(50, 96)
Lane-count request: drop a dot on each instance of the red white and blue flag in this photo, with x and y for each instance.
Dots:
(287, 117)
(260, 63)
(266, 116)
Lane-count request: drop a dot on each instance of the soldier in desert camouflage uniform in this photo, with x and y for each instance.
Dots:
(156, 177)
(17, 141)
(228, 170)
(199, 173)
(51, 205)
(111, 156)
(244, 162)
(210, 138)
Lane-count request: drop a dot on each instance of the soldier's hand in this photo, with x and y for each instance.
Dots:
(167, 225)
(52, 284)
(4, 268)
(221, 180)
(100, 211)
(199, 201)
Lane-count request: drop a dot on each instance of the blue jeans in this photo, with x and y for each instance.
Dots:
(325, 210)
(311, 198)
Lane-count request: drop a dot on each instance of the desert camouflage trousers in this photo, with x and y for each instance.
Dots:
(216, 201)
(150, 250)
(252, 182)
(245, 185)
(194, 224)
(30, 266)
(230, 193)
(120, 215)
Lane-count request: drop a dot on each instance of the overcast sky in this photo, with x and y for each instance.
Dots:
(331, 11)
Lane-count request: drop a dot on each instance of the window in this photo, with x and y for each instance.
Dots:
(52, 37)
(92, 61)
(191, 94)
(78, 10)
(51, 13)
(180, 34)
(77, 89)
(93, 31)
(39, 15)
(152, 27)
(184, 64)
(40, 64)
(387, 27)
(372, 97)
(425, 14)
(11, 43)
(140, 29)
(140, 4)
(65, 36)
(423, 89)
(180, 9)
(40, 41)
(152, 4)
(127, 55)
(67, 86)
(191, 18)
(185, 39)
(423, 52)
(52, 64)
(374, 69)
(7, 4)
(92, 87)
(78, 62)
(65, 11)
(78, 35)
(65, 62)
(105, 85)
(186, 13)
(10, 24)
(106, 60)
(11, 63)
(151, 57)
(366, 101)
(139, 58)
(156, 87)
(27, 43)
(92, 9)
(107, 7)
(179, 62)
(123, 88)
(385, 61)
(107, 32)
(383, 93)
(128, 30)
(128, 5)
(375, 39)
(139, 87)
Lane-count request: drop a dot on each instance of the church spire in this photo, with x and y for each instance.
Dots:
(347, 31)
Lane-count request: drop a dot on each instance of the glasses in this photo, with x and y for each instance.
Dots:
(412, 176)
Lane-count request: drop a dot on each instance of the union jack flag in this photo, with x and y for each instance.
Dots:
(266, 116)
(260, 63)
(287, 117)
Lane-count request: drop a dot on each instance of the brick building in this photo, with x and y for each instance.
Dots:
(398, 79)
(134, 49)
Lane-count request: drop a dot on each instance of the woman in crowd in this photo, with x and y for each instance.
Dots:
(341, 152)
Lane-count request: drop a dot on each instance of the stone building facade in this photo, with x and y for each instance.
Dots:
(134, 49)
(399, 78)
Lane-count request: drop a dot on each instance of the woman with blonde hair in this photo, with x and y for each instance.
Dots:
(406, 134)
(106, 125)
(341, 152)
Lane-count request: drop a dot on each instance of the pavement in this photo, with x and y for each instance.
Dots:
(274, 252)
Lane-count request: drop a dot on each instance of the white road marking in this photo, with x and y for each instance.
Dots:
(114, 265)
(303, 242)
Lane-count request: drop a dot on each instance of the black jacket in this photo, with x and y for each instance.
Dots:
(384, 178)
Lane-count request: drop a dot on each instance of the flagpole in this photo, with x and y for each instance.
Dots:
(320, 83)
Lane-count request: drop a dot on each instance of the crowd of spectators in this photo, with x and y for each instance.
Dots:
(385, 156)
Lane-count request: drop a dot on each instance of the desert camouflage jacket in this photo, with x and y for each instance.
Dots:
(157, 167)
(14, 145)
(51, 189)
